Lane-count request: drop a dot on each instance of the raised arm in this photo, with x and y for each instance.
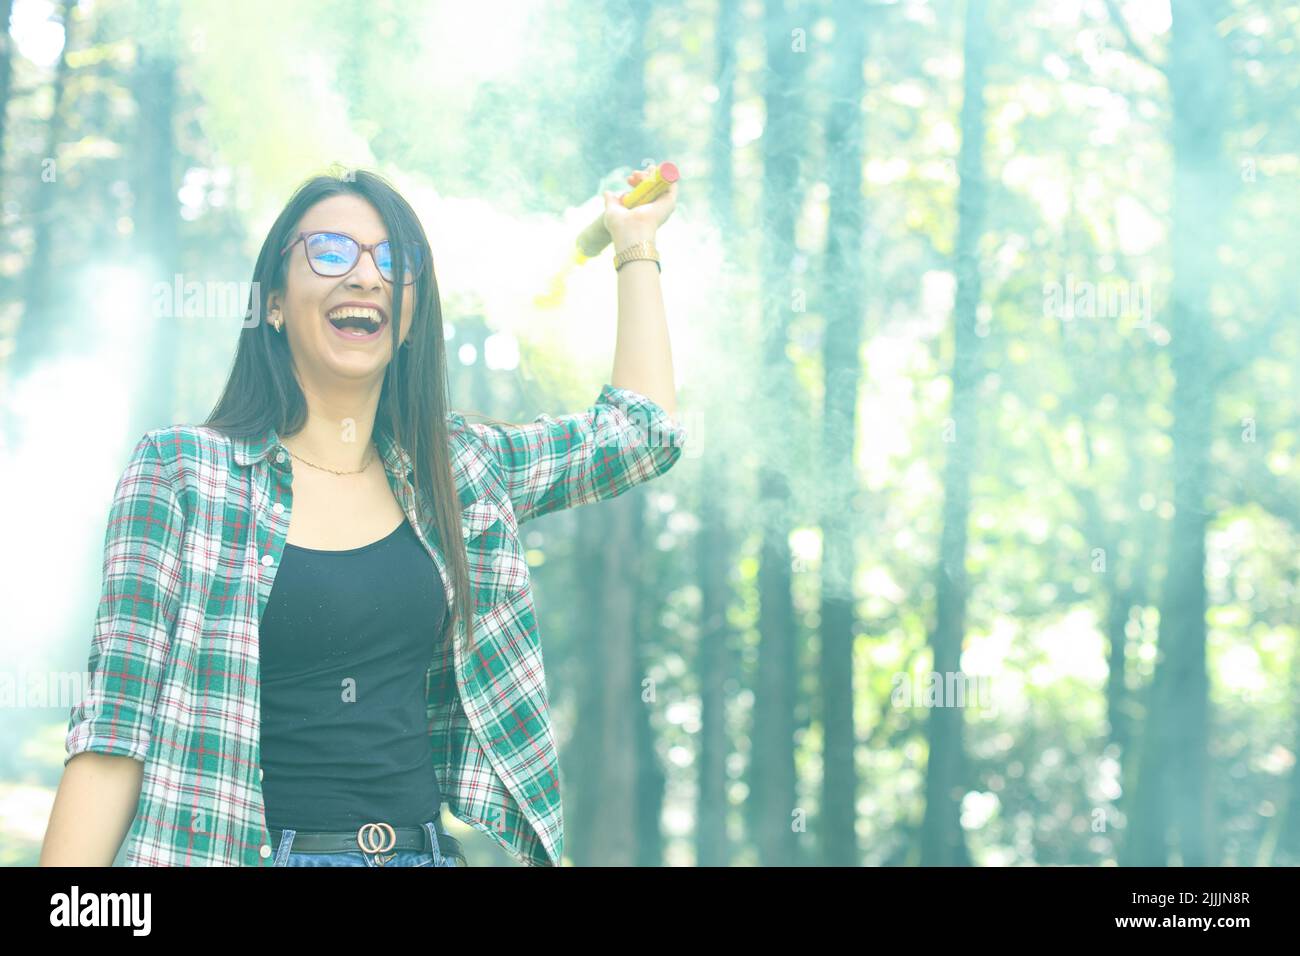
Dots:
(643, 359)
(629, 435)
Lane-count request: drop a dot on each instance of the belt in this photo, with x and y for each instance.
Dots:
(378, 838)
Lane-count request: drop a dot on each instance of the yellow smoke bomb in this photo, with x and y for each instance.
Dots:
(596, 237)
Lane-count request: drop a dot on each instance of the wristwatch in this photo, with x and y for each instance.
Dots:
(643, 249)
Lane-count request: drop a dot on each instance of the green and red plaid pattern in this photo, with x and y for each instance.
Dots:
(195, 535)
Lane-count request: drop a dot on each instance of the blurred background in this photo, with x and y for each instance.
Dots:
(983, 547)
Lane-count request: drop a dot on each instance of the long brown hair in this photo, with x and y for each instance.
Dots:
(262, 391)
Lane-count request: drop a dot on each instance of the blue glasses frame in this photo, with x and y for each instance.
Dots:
(359, 247)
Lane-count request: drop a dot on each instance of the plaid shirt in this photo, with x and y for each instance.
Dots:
(195, 535)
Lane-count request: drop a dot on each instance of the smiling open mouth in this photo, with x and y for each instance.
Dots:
(357, 322)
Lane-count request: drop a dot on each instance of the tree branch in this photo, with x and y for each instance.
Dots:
(1134, 49)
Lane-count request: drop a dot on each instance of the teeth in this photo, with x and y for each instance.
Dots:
(372, 316)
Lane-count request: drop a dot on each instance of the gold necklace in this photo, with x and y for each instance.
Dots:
(333, 471)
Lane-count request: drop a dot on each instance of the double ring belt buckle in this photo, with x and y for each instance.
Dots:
(377, 838)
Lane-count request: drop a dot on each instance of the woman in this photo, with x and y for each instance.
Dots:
(277, 677)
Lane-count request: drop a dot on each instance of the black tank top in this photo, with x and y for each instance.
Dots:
(345, 641)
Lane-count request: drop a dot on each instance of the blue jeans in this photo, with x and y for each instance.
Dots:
(285, 856)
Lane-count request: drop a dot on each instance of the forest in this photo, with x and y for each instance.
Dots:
(982, 549)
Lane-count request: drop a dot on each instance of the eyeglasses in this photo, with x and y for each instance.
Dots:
(334, 254)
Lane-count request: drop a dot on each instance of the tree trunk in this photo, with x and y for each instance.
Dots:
(942, 840)
(842, 370)
(651, 782)
(6, 76)
(773, 799)
(614, 831)
(714, 547)
(157, 221)
(1173, 786)
(42, 330)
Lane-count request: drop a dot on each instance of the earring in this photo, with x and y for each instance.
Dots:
(277, 323)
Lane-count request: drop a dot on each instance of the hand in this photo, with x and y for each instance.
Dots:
(639, 222)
